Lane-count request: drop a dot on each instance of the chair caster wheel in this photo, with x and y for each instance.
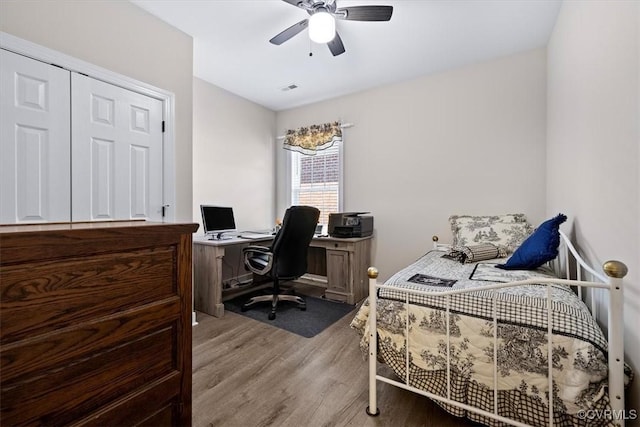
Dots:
(272, 316)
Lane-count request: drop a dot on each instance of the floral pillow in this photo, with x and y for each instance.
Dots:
(461, 220)
(507, 231)
(482, 252)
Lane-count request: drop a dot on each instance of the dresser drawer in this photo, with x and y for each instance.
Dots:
(44, 296)
(63, 393)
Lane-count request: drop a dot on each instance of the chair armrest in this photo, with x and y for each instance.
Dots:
(256, 248)
(258, 259)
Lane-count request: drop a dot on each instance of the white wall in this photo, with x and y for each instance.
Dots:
(471, 140)
(593, 141)
(123, 38)
(233, 156)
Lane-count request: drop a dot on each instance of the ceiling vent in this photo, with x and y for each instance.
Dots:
(290, 87)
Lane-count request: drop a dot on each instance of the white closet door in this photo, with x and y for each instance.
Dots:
(34, 141)
(116, 152)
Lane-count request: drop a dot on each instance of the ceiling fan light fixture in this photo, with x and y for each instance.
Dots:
(322, 27)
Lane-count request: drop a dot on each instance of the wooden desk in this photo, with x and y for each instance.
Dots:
(338, 265)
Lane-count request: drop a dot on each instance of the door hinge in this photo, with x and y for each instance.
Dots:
(163, 126)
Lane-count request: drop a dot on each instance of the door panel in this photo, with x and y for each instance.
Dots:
(120, 131)
(102, 182)
(34, 141)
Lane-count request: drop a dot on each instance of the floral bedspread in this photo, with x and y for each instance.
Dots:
(579, 355)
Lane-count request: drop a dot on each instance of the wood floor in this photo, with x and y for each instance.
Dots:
(247, 373)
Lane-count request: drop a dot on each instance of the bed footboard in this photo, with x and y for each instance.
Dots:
(611, 281)
(616, 271)
(372, 409)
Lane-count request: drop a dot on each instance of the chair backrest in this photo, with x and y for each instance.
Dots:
(291, 244)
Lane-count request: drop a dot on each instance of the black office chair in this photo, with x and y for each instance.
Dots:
(286, 259)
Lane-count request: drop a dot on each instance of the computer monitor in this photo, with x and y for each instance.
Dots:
(217, 220)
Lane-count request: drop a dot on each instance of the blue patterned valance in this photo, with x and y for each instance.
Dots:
(308, 140)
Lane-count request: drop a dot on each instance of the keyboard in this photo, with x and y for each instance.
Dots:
(250, 235)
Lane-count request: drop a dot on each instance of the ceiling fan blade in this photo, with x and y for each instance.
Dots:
(290, 32)
(293, 2)
(365, 13)
(335, 46)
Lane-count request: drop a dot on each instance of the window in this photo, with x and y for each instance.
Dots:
(317, 180)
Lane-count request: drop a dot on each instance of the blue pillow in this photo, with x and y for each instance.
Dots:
(540, 247)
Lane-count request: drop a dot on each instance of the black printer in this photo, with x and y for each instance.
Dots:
(350, 224)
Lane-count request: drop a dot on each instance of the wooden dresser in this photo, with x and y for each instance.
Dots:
(95, 324)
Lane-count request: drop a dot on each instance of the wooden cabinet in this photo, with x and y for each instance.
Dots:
(345, 270)
(95, 324)
(337, 271)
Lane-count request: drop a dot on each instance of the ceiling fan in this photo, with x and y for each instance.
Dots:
(321, 23)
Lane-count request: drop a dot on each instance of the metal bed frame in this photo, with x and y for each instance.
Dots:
(612, 281)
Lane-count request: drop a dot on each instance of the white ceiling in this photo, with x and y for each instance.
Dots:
(232, 49)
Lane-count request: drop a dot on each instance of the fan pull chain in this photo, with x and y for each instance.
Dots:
(310, 46)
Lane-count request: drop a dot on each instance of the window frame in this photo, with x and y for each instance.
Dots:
(289, 175)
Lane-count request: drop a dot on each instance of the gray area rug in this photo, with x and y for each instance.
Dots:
(320, 314)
